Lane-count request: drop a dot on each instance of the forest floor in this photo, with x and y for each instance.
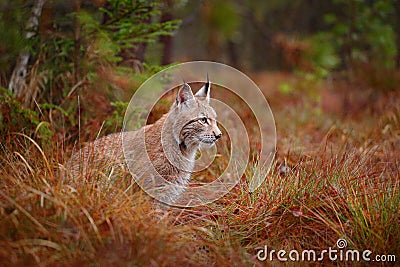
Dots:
(336, 176)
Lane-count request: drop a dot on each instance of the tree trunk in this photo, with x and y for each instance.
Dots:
(18, 77)
(233, 55)
(77, 41)
(397, 30)
(166, 40)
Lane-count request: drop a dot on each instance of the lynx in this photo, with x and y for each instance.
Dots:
(171, 142)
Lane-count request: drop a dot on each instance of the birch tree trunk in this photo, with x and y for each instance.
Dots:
(18, 77)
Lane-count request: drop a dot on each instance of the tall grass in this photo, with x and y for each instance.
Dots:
(342, 181)
(45, 221)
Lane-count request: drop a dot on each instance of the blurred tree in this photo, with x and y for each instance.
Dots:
(77, 39)
(222, 20)
(241, 33)
(267, 33)
(12, 16)
(166, 40)
(363, 31)
(397, 30)
(18, 77)
(275, 29)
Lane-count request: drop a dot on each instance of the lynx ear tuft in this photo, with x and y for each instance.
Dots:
(205, 90)
(184, 94)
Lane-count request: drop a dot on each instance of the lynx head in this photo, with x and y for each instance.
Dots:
(195, 122)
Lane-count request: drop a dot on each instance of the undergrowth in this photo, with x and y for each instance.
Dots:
(341, 180)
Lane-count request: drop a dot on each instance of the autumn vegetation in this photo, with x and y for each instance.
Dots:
(336, 104)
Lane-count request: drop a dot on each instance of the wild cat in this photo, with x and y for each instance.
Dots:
(171, 142)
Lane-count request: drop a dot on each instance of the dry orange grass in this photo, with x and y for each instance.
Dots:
(342, 180)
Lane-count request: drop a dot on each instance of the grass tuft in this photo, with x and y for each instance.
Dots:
(333, 177)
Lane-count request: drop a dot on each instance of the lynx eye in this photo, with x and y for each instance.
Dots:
(204, 120)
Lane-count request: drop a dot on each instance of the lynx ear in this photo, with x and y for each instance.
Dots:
(205, 91)
(184, 94)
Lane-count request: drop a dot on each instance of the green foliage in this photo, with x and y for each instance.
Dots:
(108, 35)
(359, 36)
(149, 70)
(116, 120)
(132, 22)
(13, 114)
(125, 24)
(285, 88)
(14, 117)
(44, 131)
(323, 54)
(12, 20)
(97, 43)
(90, 51)
(364, 31)
(224, 17)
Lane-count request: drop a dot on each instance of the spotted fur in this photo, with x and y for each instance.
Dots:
(171, 142)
